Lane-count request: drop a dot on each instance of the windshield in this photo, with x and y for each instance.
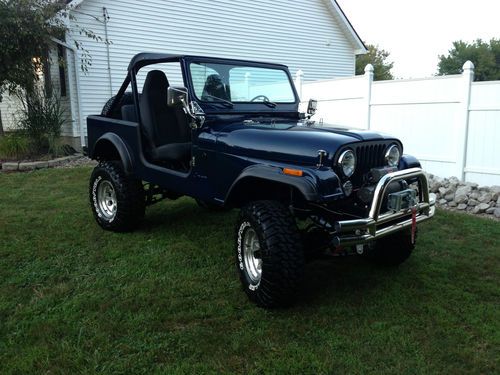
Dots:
(226, 83)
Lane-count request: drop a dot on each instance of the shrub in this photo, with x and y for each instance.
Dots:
(14, 145)
(41, 120)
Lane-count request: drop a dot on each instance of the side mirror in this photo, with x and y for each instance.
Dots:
(312, 107)
(177, 96)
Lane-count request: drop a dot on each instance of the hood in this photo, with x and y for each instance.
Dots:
(288, 142)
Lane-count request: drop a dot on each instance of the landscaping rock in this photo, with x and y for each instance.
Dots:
(452, 204)
(461, 193)
(10, 166)
(75, 160)
(480, 208)
(449, 197)
(444, 191)
(495, 191)
(497, 213)
(461, 206)
(442, 201)
(474, 195)
(31, 166)
(485, 198)
(490, 210)
(472, 202)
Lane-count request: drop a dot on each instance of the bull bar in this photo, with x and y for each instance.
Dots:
(362, 231)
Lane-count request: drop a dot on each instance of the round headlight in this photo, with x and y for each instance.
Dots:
(347, 161)
(392, 156)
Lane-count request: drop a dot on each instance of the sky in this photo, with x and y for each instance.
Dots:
(416, 32)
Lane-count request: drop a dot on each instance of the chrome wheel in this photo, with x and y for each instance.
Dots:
(106, 199)
(252, 255)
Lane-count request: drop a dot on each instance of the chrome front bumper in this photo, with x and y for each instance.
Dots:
(375, 226)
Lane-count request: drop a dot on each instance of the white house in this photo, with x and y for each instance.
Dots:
(314, 36)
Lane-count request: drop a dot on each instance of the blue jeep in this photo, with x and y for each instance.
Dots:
(230, 135)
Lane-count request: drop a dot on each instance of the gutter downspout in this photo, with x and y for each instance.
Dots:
(79, 98)
(105, 16)
(78, 92)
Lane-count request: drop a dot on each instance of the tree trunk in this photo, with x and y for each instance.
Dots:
(1, 124)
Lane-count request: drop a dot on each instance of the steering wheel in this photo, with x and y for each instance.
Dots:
(265, 98)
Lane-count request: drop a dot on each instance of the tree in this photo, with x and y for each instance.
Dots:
(27, 30)
(484, 56)
(378, 58)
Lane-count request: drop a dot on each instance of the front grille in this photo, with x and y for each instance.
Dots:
(369, 156)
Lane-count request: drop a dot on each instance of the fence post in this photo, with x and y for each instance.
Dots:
(298, 82)
(369, 81)
(467, 79)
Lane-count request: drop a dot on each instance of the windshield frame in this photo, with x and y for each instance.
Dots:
(260, 105)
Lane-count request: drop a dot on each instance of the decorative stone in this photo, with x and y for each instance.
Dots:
(472, 202)
(480, 208)
(434, 187)
(449, 197)
(30, 166)
(490, 210)
(442, 202)
(496, 213)
(474, 195)
(443, 191)
(452, 204)
(485, 198)
(461, 206)
(10, 166)
(461, 193)
(495, 190)
(454, 182)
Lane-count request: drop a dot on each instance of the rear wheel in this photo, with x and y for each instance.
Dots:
(392, 250)
(269, 253)
(117, 201)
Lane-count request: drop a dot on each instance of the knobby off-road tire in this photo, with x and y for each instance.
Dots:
(392, 250)
(267, 239)
(117, 201)
(127, 98)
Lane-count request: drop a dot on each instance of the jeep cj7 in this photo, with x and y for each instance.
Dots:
(229, 134)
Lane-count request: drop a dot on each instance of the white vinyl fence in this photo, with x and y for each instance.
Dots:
(450, 123)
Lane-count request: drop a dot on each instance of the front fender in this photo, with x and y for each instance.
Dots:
(316, 185)
(103, 147)
(408, 161)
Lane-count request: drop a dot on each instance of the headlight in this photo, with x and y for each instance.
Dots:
(347, 161)
(392, 156)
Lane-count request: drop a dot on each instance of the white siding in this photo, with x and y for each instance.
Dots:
(303, 34)
(9, 106)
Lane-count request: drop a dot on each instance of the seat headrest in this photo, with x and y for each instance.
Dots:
(215, 87)
(156, 80)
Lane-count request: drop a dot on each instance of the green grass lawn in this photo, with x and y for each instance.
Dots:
(166, 298)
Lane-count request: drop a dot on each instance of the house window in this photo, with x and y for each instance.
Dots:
(62, 70)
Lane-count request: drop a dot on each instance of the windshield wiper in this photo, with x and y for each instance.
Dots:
(225, 102)
(269, 103)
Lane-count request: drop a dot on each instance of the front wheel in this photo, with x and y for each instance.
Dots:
(117, 200)
(392, 250)
(269, 254)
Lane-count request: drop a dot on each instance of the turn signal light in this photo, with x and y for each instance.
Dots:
(293, 172)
